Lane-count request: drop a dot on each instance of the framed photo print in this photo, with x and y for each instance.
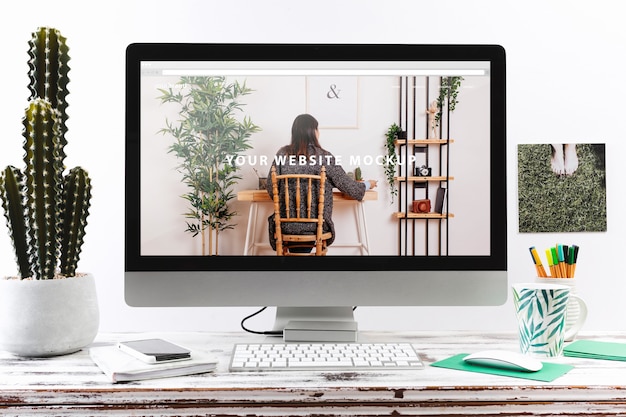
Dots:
(562, 187)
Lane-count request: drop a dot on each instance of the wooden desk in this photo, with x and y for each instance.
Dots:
(256, 197)
(72, 385)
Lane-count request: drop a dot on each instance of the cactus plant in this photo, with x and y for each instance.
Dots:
(46, 211)
(357, 174)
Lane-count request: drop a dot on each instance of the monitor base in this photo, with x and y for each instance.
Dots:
(320, 331)
(316, 324)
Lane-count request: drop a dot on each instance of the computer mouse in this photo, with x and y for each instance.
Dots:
(504, 359)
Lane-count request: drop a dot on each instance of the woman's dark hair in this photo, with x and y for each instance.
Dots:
(303, 135)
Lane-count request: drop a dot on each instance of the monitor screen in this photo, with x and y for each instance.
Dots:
(412, 138)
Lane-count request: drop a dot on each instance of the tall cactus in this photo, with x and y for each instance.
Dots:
(46, 211)
(43, 185)
(48, 72)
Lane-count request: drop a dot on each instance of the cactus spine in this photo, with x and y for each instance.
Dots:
(46, 212)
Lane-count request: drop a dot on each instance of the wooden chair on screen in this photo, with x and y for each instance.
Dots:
(303, 211)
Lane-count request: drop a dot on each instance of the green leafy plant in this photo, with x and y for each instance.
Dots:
(46, 211)
(208, 137)
(448, 91)
(391, 161)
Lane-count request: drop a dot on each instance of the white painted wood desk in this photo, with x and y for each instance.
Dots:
(73, 385)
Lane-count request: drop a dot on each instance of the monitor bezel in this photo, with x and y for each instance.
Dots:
(494, 54)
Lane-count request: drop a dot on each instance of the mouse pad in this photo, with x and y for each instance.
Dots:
(548, 373)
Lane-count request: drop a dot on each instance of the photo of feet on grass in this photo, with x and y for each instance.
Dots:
(562, 188)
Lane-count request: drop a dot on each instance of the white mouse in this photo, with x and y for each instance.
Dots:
(504, 359)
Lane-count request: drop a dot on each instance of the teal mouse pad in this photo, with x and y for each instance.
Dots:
(548, 373)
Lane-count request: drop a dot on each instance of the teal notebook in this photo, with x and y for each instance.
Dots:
(594, 349)
(548, 373)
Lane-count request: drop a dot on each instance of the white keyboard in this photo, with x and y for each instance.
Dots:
(326, 356)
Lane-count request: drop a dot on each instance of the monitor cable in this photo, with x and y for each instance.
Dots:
(266, 333)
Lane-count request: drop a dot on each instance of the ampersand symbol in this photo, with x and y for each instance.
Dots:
(333, 92)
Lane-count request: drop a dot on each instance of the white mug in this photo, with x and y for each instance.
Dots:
(541, 311)
(573, 306)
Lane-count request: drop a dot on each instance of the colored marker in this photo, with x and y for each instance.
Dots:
(541, 272)
(555, 261)
(575, 260)
(570, 262)
(561, 254)
(550, 263)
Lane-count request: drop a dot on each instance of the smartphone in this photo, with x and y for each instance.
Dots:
(155, 350)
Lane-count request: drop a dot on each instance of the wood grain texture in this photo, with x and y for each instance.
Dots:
(73, 385)
(261, 196)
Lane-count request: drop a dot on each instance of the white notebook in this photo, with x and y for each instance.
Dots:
(120, 366)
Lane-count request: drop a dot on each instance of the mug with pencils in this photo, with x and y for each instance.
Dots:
(561, 264)
(541, 311)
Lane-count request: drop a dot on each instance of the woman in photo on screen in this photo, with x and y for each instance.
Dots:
(305, 155)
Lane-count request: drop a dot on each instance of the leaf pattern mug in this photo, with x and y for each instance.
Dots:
(541, 311)
(573, 306)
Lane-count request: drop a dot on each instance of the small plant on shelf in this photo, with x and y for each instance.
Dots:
(391, 161)
(448, 91)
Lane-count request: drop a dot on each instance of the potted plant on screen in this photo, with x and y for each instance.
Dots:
(448, 92)
(208, 137)
(394, 133)
(48, 308)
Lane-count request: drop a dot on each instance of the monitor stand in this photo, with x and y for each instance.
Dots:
(316, 324)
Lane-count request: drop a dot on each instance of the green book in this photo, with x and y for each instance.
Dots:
(594, 349)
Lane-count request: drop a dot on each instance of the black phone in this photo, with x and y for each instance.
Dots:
(155, 350)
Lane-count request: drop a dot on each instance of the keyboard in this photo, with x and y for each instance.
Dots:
(323, 356)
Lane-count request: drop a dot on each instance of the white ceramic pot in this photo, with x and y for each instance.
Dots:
(48, 317)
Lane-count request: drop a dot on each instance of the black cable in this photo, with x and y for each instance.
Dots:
(267, 333)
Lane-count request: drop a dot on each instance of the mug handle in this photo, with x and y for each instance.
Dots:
(571, 333)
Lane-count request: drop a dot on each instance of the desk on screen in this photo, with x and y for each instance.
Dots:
(256, 197)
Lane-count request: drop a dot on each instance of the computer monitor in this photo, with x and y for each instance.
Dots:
(433, 232)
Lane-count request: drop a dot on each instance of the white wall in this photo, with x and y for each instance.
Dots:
(564, 66)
